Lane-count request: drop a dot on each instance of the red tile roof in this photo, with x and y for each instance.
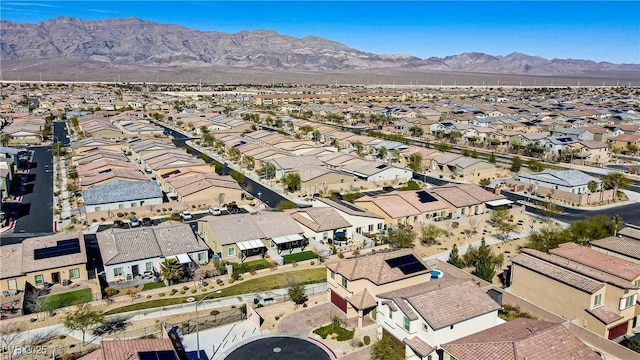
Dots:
(597, 260)
(521, 339)
(605, 315)
(623, 246)
(128, 349)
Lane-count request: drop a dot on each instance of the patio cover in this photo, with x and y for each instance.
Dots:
(285, 239)
(183, 258)
(499, 202)
(251, 244)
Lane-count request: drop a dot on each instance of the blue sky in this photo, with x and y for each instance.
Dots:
(599, 31)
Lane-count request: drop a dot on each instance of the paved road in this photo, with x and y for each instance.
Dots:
(35, 214)
(60, 133)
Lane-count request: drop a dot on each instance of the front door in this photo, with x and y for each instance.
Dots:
(134, 270)
(55, 278)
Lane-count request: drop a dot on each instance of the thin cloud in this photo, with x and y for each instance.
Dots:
(102, 11)
(31, 4)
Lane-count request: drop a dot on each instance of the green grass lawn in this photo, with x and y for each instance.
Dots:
(343, 334)
(51, 302)
(297, 257)
(269, 282)
(153, 285)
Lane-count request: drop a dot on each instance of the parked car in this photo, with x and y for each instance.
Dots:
(186, 215)
(134, 222)
(147, 221)
(215, 211)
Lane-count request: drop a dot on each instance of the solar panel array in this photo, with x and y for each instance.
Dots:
(63, 247)
(408, 264)
(158, 355)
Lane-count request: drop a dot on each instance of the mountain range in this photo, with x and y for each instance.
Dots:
(134, 42)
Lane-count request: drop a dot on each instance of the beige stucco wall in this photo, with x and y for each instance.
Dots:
(30, 277)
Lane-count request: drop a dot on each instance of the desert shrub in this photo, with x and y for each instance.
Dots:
(366, 339)
(161, 294)
(110, 291)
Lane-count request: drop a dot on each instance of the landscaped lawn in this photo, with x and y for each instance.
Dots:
(343, 334)
(297, 257)
(153, 285)
(51, 302)
(264, 283)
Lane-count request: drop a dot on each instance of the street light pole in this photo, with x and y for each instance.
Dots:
(198, 324)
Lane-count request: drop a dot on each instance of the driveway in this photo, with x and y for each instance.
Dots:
(302, 322)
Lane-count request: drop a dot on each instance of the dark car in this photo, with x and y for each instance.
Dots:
(147, 221)
(118, 224)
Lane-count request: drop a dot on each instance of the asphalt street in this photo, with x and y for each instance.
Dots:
(60, 133)
(35, 213)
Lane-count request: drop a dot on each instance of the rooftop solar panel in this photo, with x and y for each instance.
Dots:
(408, 264)
(158, 355)
(63, 247)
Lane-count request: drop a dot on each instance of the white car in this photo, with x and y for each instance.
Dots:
(185, 215)
(134, 222)
(215, 211)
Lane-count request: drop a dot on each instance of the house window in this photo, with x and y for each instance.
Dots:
(637, 284)
(231, 251)
(425, 327)
(345, 282)
(628, 302)
(134, 204)
(97, 208)
(371, 228)
(380, 226)
(325, 235)
(117, 271)
(39, 279)
(202, 257)
(148, 266)
(399, 221)
(407, 323)
(390, 312)
(120, 206)
(74, 273)
(597, 301)
(333, 274)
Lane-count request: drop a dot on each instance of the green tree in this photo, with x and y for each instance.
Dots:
(234, 153)
(516, 164)
(5, 138)
(285, 204)
(546, 239)
(292, 181)
(315, 135)
(474, 154)
(592, 186)
(502, 220)
(485, 182)
(492, 158)
(267, 171)
(617, 222)
(171, 270)
(616, 180)
(454, 257)
(402, 237)
(429, 234)
(336, 144)
(442, 147)
(382, 152)
(296, 292)
(208, 139)
(415, 162)
(359, 147)
(387, 348)
(83, 318)
(535, 165)
(416, 130)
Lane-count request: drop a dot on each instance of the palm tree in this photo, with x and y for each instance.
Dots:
(592, 186)
(617, 222)
(336, 144)
(233, 153)
(382, 152)
(616, 179)
(171, 270)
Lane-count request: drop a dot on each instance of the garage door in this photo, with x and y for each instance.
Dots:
(339, 301)
(618, 330)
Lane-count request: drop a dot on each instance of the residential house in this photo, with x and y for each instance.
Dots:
(354, 283)
(362, 220)
(594, 290)
(188, 185)
(426, 315)
(322, 223)
(404, 207)
(239, 236)
(581, 134)
(378, 173)
(121, 194)
(623, 142)
(619, 246)
(569, 181)
(55, 259)
(520, 339)
(91, 143)
(128, 254)
(593, 152)
(134, 349)
(464, 199)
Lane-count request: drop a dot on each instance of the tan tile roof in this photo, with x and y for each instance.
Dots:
(605, 315)
(362, 300)
(581, 270)
(373, 267)
(394, 206)
(320, 219)
(234, 228)
(350, 209)
(521, 339)
(19, 259)
(443, 302)
(420, 347)
(623, 246)
(557, 273)
(630, 232)
(463, 195)
(124, 349)
(597, 260)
